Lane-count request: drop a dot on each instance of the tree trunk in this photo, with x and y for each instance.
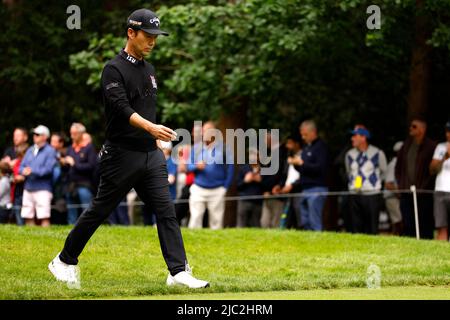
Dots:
(234, 120)
(420, 66)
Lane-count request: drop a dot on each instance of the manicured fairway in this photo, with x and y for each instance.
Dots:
(122, 262)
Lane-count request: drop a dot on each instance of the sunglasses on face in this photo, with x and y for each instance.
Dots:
(36, 134)
(413, 126)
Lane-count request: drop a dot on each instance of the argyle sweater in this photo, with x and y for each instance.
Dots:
(370, 165)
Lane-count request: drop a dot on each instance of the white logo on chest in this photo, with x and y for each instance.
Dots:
(152, 78)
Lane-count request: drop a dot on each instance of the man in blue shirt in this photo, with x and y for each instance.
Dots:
(312, 165)
(80, 162)
(212, 163)
(37, 168)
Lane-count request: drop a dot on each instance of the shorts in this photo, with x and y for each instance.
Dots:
(36, 201)
(441, 209)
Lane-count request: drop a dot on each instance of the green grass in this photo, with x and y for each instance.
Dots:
(127, 262)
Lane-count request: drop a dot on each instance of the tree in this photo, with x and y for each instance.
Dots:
(254, 63)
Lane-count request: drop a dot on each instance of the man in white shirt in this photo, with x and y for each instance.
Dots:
(440, 165)
(292, 182)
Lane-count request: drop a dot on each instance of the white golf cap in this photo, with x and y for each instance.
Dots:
(42, 130)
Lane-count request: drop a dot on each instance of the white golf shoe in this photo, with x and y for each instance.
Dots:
(65, 272)
(185, 278)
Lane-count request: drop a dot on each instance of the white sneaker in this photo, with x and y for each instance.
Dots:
(185, 278)
(65, 272)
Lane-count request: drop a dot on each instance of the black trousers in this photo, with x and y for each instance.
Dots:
(121, 170)
(364, 213)
(249, 214)
(426, 218)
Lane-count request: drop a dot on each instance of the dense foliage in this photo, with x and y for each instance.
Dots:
(274, 62)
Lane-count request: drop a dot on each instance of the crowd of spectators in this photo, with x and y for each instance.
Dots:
(52, 180)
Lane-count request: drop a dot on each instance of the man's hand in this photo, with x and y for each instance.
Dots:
(158, 131)
(69, 160)
(248, 177)
(201, 165)
(390, 186)
(286, 189)
(6, 159)
(26, 171)
(296, 161)
(257, 177)
(276, 189)
(18, 178)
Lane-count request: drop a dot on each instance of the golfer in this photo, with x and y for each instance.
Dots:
(130, 157)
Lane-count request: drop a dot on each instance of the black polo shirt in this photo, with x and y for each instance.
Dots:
(128, 86)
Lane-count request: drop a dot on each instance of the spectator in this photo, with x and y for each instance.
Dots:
(440, 165)
(392, 200)
(249, 184)
(366, 167)
(37, 168)
(5, 198)
(290, 183)
(273, 207)
(412, 168)
(185, 178)
(81, 161)
(57, 141)
(18, 183)
(20, 138)
(171, 168)
(59, 204)
(212, 179)
(312, 166)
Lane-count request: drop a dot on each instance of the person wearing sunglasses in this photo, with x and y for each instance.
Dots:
(412, 168)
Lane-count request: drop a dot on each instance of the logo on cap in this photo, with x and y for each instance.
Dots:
(155, 20)
(134, 22)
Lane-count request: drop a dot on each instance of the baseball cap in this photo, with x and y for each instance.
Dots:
(145, 20)
(361, 131)
(42, 130)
